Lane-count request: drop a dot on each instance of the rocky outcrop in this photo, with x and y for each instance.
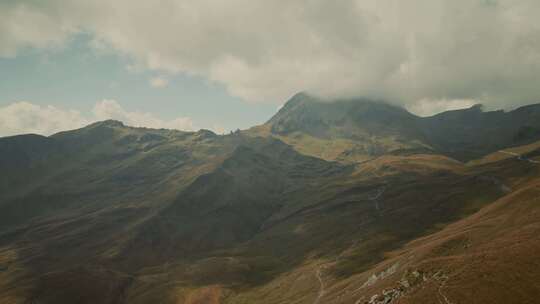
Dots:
(409, 280)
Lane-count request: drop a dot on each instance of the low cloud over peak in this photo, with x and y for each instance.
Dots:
(409, 52)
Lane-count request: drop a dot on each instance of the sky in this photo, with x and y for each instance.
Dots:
(223, 65)
(49, 90)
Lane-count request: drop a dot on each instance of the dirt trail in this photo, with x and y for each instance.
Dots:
(519, 156)
(318, 273)
(375, 198)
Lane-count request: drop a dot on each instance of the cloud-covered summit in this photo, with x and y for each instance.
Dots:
(410, 52)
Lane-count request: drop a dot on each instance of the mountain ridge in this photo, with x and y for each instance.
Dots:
(116, 214)
(368, 128)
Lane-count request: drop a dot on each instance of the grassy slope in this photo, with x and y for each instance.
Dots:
(333, 228)
(488, 257)
(338, 149)
(120, 239)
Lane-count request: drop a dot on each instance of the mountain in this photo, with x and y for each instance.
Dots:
(344, 130)
(471, 133)
(351, 201)
(361, 129)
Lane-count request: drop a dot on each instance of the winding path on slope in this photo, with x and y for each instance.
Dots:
(375, 198)
(318, 273)
(519, 156)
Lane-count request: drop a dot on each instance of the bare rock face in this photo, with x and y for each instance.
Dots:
(410, 279)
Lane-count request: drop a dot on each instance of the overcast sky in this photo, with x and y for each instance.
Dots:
(230, 64)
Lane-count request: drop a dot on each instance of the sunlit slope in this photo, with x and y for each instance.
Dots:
(488, 257)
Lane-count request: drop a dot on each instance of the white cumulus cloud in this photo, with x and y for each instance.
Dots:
(426, 107)
(24, 117)
(111, 109)
(265, 51)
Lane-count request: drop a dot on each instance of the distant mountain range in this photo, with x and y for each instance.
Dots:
(344, 201)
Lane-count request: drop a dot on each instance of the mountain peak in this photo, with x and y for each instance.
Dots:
(111, 123)
(311, 114)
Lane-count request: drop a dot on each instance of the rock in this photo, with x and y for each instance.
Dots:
(382, 275)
